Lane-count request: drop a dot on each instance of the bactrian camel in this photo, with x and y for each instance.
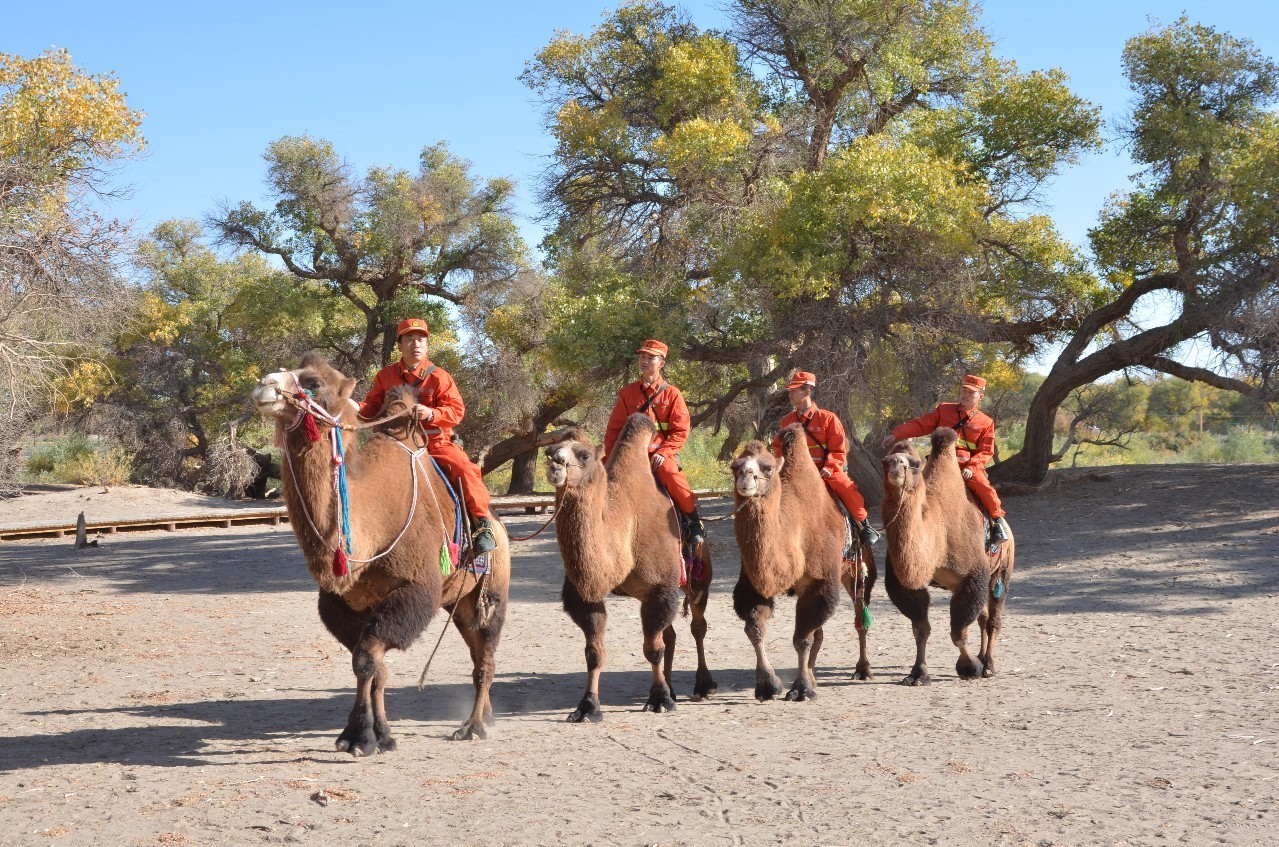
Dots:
(791, 537)
(617, 533)
(936, 537)
(383, 592)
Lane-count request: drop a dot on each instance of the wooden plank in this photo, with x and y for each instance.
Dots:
(243, 517)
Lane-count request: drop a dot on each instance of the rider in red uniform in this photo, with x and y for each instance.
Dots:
(828, 447)
(653, 396)
(439, 405)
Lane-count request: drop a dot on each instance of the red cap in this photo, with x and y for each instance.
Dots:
(802, 379)
(411, 325)
(974, 382)
(653, 346)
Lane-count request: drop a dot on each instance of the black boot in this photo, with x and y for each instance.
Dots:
(482, 535)
(694, 530)
(867, 533)
(999, 532)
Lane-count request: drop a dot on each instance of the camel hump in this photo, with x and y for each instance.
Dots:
(313, 359)
(636, 425)
(399, 397)
(943, 440)
(794, 443)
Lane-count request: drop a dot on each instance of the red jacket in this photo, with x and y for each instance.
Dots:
(976, 444)
(827, 443)
(668, 410)
(436, 390)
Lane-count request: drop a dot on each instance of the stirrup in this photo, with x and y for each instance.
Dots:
(867, 533)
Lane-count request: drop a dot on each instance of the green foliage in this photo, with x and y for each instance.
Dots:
(78, 460)
(391, 243)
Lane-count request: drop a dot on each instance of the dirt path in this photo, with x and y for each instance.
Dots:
(178, 689)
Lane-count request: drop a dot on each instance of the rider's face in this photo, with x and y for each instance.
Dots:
(413, 347)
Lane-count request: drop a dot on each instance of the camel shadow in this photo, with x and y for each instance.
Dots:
(233, 731)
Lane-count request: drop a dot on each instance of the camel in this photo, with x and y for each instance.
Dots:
(791, 536)
(936, 537)
(617, 533)
(384, 593)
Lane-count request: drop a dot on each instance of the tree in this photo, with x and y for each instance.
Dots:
(852, 157)
(207, 329)
(1198, 233)
(381, 241)
(61, 129)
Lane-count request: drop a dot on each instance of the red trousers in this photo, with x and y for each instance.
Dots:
(457, 464)
(676, 485)
(985, 493)
(842, 486)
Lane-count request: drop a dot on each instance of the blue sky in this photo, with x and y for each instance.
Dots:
(220, 81)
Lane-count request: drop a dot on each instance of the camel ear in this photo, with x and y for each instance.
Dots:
(348, 385)
(781, 463)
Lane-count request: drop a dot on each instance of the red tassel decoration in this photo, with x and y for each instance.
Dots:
(308, 426)
(339, 562)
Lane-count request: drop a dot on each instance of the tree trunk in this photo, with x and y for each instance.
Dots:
(523, 473)
(1030, 465)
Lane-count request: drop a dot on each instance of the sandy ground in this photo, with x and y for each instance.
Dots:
(178, 689)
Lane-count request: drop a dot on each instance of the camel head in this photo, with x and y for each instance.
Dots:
(902, 468)
(326, 385)
(571, 461)
(755, 471)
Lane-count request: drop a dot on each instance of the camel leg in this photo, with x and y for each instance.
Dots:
(991, 623)
(392, 624)
(591, 618)
(966, 605)
(913, 603)
(482, 642)
(657, 610)
(861, 602)
(668, 657)
(704, 685)
(813, 608)
(756, 610)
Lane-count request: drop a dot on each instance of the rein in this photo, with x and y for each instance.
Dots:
(549, 521)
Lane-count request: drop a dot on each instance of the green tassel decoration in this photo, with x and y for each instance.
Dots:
(446, 566)
(999, 589)
(865, 618)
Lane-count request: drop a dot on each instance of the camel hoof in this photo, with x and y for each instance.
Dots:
(769, 689)
(588, 709)
(969, 670)
(386, 744)
(660, 700)
(469, 732)
(863, 673)
(800, 693)
(918, 680)
(358, 741)
(704, 690)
